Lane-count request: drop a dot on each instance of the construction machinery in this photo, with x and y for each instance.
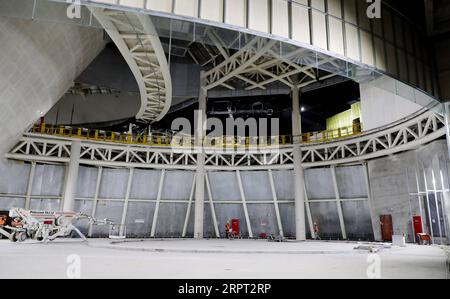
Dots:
(19, 224)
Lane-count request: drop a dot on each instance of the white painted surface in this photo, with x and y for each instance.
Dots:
(258, 12)
(381, 104)
(38, 63)
(398, 240)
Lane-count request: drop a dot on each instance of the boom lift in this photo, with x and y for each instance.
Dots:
(20, 224)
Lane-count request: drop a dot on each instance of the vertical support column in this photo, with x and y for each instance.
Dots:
(445, 196)
(446, 108)
(436, 201)
(419, 200)
(158, 202)
(200, 173)
(275, 202)
(376, 232)
(244, 204)
(445, 192)
(299, 183)
(427, 195)
(95, 202)
(309, 215)
(338, 202)
(30, 185)
(188, 210)
(72, 177)
(211, 205)
(125, 204)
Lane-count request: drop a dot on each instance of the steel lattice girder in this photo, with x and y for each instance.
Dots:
(139, 44)
(258, 64)
(418, 130)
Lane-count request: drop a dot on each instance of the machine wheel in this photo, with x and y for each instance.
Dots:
(12, 237)
(22, 236)
(40, 239)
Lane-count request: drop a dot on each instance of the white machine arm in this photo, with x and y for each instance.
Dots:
(45, 225)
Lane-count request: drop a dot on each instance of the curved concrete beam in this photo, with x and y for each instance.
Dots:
(139, 44)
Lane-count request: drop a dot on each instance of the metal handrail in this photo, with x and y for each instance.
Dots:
(185, 140)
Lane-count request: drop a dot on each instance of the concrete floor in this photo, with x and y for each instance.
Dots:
(188, 259)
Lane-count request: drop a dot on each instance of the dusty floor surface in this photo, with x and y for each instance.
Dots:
(187, 258)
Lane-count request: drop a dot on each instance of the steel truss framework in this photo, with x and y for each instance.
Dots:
(409, 134)
(136, 38)
(260, 63)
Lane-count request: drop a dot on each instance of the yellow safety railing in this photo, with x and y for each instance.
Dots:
(331, 135)
(181, 140)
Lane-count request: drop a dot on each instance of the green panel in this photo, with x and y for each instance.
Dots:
(344, 119)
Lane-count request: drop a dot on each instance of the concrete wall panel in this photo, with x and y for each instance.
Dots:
(48, 180)
(212, 10)
(14, 177)
(319, 30)
(357, 219)
(145, 184)
(287, 213)
(177, 185)
(300, 23)
(160, 5)
(351, 182)
(111, 210)
(226, 212)
(336, 36)
(139, 219)
(208, 225)
(38, 63)
(87, 179)
(235, 12)
(85, 207)
(224, 185)
(7, 203)
(319, 184)
(256, 185)
(187, 8)
(258, 12)
(114, 183)
(284, 184)
(280, 19)
(45, 204)
(170, 219)
(263, 219)
(325, 214)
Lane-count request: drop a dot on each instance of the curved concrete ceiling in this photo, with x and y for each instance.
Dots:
(342, 29)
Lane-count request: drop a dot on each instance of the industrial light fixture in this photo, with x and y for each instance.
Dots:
(302, 109)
